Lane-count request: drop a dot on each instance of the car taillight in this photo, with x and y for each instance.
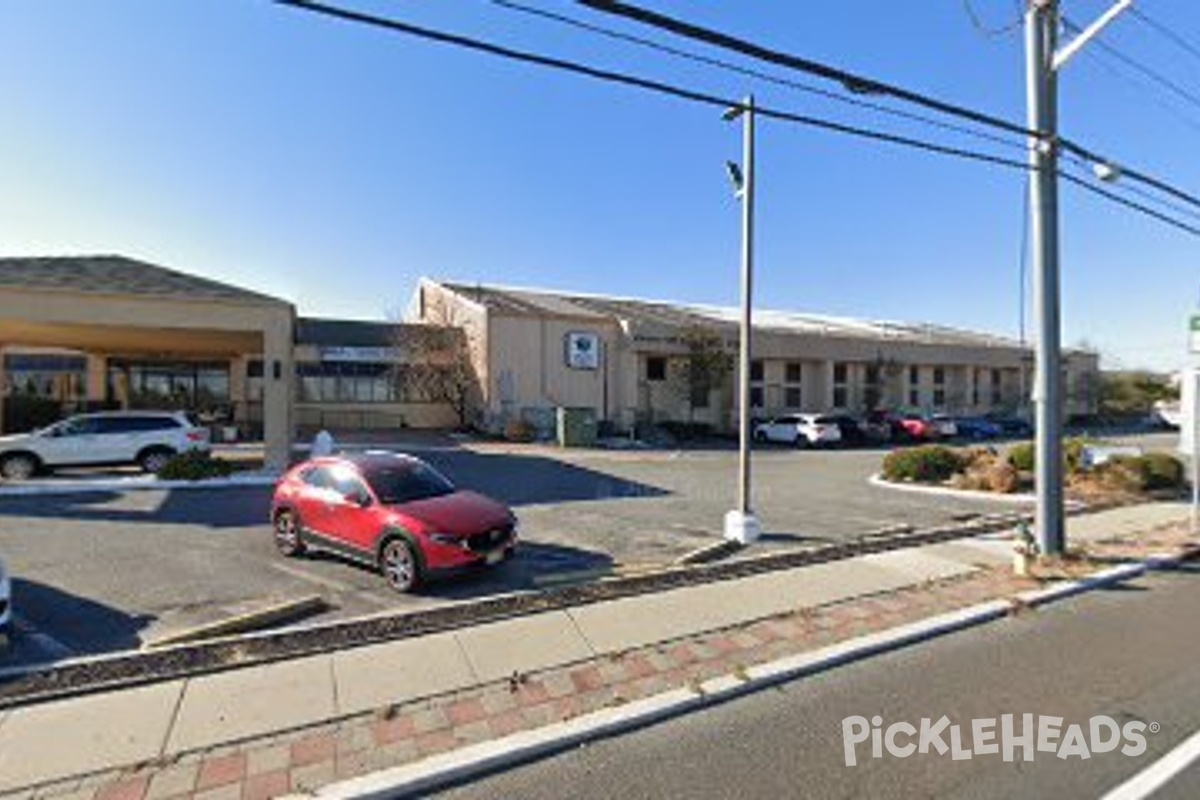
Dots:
(197, 436)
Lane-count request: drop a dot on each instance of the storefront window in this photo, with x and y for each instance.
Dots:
(345, 382)
(198, 386)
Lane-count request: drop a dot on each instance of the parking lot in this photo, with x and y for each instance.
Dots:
(100, 571)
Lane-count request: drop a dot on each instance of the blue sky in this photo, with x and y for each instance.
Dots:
(333, 164)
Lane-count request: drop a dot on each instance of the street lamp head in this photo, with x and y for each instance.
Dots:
(732, 113)
(1106, 171)
(735, 177)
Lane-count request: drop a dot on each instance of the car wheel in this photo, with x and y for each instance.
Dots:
(155, 459)
(760, 437)
(287, 533)
(398, 561)
(18, 467)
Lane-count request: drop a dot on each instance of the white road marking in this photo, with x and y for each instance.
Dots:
(1158, 774)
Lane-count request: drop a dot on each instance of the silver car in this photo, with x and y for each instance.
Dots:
(5, 600)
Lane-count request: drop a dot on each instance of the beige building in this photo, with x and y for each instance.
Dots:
(635, 361)
(83, 333)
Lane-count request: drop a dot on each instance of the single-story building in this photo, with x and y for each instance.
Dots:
(90, 332)
(634, 361)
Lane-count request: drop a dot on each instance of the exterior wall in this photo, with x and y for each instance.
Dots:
(528, 366)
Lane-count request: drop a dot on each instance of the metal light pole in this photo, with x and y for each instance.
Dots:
(740, 524)
(1042, 63)
(1041, 35)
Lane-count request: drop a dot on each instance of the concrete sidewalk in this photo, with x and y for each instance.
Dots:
(297, 725)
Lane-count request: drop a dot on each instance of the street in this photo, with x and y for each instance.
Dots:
(1128, 653)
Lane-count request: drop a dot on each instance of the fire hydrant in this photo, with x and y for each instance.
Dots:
(1025, 550)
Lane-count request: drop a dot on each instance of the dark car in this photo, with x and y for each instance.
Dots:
(1010, 426)
(852, 430)
(978, 428)
(393, 512)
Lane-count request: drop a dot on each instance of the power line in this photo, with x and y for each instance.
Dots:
(1099, 58)
(729, 66)
(1134, 64)
(1165, 31)
(398, 26)
(986, 30)
(857, 83)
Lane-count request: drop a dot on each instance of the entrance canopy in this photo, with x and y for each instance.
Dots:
(121, 310)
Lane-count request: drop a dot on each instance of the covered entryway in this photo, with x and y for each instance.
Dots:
(151, 336)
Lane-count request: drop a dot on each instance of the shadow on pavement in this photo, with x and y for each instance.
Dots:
(55, 625)
(514, 479)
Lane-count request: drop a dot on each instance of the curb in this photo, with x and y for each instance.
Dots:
(944, 491)
(241, 623)
(451, 768)
(133, 484)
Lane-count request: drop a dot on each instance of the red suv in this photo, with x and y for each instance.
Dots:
(391, 511)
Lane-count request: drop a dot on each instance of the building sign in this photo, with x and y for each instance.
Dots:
(583, 350)
(361, 354)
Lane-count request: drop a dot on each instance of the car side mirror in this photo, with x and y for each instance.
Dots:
(360, 499)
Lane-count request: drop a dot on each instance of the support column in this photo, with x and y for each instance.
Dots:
(96, 379)
(279, 374)
(826, 386)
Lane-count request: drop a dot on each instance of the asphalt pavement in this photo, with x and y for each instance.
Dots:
(1130, 654)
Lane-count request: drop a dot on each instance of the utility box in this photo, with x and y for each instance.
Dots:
(576, 427)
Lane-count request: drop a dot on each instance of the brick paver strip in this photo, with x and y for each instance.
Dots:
(402, 734)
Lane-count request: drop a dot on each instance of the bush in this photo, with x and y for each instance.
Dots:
(1162, 471)
(194, 465)
(1023, 457)
(928, 464)
(518, 430)
(1123, 474)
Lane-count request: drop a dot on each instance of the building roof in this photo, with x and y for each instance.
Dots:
(344, 333)
(109, 274)
(538, 302)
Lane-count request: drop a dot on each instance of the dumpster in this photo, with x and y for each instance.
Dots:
(576, 427)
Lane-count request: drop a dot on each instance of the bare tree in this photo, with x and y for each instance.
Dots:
(440, 360)
(705, 366)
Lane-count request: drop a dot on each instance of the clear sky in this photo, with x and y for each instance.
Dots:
(333, 164)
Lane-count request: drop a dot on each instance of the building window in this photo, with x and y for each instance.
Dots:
(792, 372)
(699, 394)
(914, 397)
(975, 377)
(839, 373)
(355, 382)
(997, 388)
(839, 397)
(914, 375)
(756, 370)
(189, 385)
(51, 377)
(791, 397)
(756, 397)
(939, 375)
(939, 397)
(656, 368)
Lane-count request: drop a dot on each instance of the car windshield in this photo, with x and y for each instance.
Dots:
(404, 482)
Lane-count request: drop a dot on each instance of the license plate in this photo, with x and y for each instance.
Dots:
(494, 557)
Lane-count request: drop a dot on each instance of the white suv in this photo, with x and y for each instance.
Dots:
(146, 438)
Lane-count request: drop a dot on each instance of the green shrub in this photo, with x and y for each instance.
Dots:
(928, 464)
(1022, 457)
(1162, 471)
(1122, 473)
(194, 465)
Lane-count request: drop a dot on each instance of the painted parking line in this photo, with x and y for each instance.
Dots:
(1158, 774)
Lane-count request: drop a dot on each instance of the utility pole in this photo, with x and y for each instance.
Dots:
(1042, 63)
(740, 524)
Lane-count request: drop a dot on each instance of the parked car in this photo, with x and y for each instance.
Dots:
(978, 428)
(799, 429)
(146, 438)
(860, 432)
(1011, 426)
(392, 512)
(945, 425)
(5, 600)
(920, 428)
